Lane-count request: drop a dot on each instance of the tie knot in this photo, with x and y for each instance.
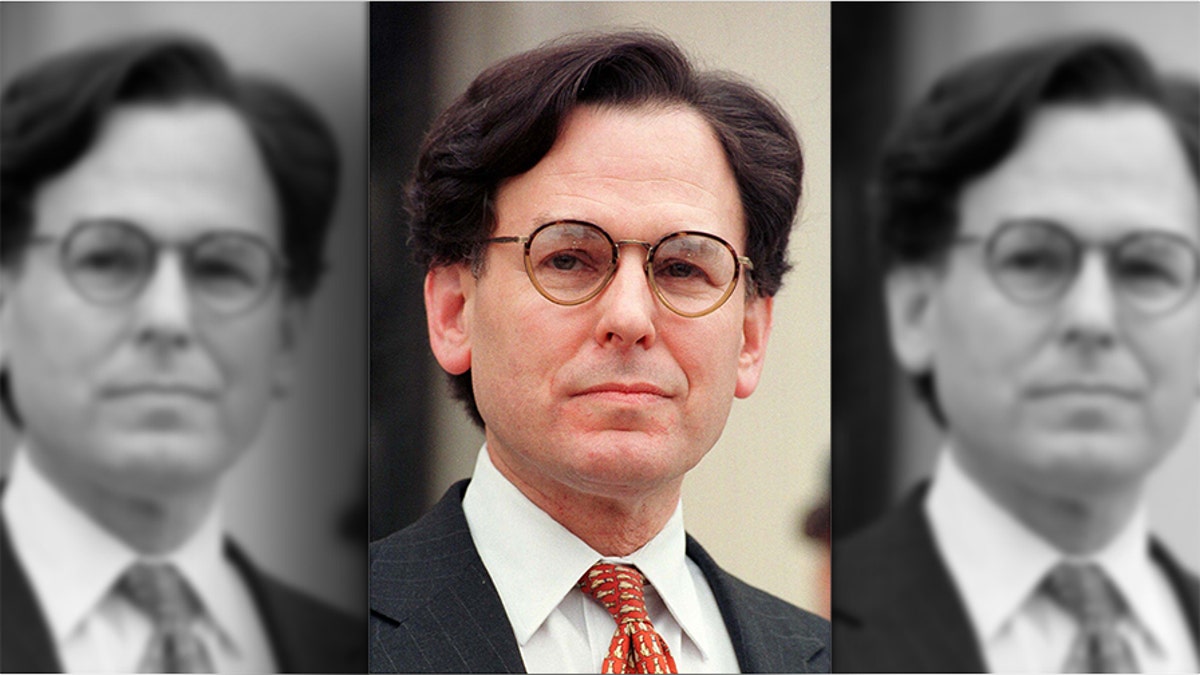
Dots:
(1085, 592)
(160, 591)
(619, 588)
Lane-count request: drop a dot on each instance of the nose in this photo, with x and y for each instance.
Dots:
(1090, 306)
(627, 307)
(164, 307)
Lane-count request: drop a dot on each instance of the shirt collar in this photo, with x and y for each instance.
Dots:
(998, 563)
(1127, 562)
(518, 541)
(73, 562)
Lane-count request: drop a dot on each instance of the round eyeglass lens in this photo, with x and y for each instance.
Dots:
(107, 261)
(570, 261)
(1155, 271)
(231, 272)
(1032, 261)
(693, 272)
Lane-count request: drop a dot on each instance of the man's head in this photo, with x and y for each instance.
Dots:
(1040, 215)
(163, 222)
(619, 135)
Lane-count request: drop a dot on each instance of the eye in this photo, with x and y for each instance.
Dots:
(221, 270)
(108, 260)
(565, 261)
(568, 260)
(1031, 259)
(1141, 272)
(679, 269)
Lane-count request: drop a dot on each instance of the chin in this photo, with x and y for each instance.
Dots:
(629, 459)
(164, 464)
(1091, 464)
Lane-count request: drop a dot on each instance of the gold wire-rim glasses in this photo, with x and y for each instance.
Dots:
(648, 268)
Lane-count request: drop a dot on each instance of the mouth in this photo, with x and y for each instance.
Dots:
(1097, 391)
(634, 392)
(159, 390)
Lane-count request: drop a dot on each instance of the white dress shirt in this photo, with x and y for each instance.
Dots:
(998, 563)
(536, 563)
(74, 564)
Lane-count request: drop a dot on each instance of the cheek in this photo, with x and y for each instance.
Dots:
(246, 354)
(518, 347)
(983, 338)
(708, 354)
(1170, 356)
(56, 343)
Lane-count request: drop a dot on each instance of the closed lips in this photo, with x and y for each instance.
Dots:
(636, 388)
(159, 389)
(1085, 389)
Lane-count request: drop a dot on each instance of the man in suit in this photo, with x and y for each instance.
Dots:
(163, 224)
(1040, 216)
(603, 229)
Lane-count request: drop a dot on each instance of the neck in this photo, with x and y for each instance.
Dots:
(151, 523)
(612, 526)
(1076, 523)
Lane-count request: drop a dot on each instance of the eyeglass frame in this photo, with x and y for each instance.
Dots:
(277, 270)
(1080, 247)
(740, 261)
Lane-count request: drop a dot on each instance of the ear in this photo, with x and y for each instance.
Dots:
(291, 327)
(448, 293)
(910, 306)
(756, 328)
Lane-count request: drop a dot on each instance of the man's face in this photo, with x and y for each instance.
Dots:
(616, 396)
(156, 394)
(1085, 394)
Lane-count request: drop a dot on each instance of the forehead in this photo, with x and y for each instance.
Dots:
(175, 170)
(638, 172)
(1101, 169)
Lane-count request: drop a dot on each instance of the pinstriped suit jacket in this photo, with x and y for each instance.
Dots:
(306, 636)
(896, 608)
(434, 607)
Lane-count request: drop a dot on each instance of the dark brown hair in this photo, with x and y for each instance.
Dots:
(510, 116)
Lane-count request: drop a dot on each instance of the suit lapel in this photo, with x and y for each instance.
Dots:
(305, 635)
(28, 646)
(763, 640)
(1185, 585)
(896, 608)
(282, 648)
(433, 605)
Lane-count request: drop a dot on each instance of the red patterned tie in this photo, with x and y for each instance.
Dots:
(1086, 592)
(636, 647)
(162, 593)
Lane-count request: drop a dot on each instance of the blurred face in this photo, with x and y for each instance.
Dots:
(1086, 392)
(156, 393)
(617, 396)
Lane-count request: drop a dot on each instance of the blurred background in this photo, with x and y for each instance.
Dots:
(747, 500)
(297, 501)
(886, 56)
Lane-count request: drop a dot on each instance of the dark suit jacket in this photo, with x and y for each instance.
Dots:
(896, 608)
(305, 635)
(435, 609)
